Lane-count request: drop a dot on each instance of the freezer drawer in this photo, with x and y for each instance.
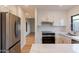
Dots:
(15, 49)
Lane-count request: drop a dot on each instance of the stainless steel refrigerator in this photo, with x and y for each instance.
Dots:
(10, 33)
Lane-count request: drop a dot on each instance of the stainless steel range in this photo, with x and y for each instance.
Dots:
(48, 37)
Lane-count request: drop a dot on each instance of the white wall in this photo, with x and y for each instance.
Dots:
(56, 16)
(23, 27)
(71, 12)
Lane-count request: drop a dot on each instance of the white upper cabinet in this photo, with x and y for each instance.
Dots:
(60, 22)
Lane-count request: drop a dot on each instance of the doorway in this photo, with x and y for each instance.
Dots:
(30, 38)
(31, 23)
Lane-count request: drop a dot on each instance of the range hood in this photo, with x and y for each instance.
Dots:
(47, 23)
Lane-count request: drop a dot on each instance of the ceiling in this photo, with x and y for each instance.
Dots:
(54, 7)
(30, 9)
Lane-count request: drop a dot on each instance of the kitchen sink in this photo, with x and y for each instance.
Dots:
(70, 34)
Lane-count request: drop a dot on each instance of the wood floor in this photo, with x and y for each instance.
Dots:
(30, 39)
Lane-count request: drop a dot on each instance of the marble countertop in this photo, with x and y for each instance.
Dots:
(69, 36)
(55, 48)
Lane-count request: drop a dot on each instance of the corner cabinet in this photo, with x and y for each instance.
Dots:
(60, 39)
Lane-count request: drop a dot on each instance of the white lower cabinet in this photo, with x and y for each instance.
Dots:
(60, 39)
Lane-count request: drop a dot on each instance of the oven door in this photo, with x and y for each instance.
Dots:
(48, 38)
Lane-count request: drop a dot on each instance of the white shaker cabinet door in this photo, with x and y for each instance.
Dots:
(62, 40)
